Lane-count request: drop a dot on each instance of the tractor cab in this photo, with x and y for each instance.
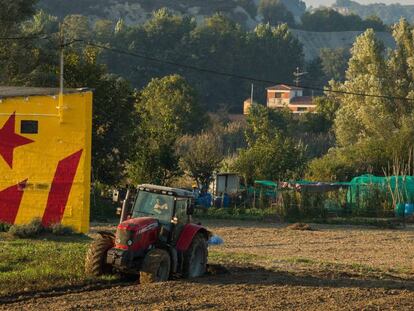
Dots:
(155, 237)
(171, 207)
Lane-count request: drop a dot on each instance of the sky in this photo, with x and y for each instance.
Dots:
(316, 3)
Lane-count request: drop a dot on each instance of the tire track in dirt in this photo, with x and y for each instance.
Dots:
(244, 288)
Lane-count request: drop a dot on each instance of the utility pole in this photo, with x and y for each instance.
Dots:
(298, 76)
(61, 73)
(251, 94)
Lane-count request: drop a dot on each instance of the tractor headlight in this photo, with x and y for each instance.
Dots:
(129, 242)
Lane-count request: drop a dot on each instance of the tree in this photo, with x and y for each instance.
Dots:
(113, 114)
(76, 27)
(361, 116)
(167, 109)
(327, 19)
(275, 12)
(372, 131)
(13, 12)
(402, 68)
(201, 156)
(264, 123)
(272, 153)
(218, 44)
(315, 76)
(164, 36)
(276, 159)
(327, 107)
(14, 52)
(334, 62)
(376, 23)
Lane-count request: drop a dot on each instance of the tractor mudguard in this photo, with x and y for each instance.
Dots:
(106, 234)
(187, 235)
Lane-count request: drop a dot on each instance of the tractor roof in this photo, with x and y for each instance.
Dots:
(167, 190)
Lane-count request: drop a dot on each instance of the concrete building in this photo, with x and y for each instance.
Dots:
(291, 97)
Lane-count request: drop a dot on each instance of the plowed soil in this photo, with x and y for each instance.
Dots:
(271, 267)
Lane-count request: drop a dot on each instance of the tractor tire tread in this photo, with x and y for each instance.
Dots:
(95, 258)
(151, 264)
(199, 240)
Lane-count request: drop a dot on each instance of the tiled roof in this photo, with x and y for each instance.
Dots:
(284, 87)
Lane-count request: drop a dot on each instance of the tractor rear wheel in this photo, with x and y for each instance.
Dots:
(95, 263)
(156, 267)
(195, 258)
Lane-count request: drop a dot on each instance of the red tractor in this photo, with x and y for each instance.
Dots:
(154, 239)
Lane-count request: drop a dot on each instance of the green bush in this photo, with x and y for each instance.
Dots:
(4, 227)
(30, 230)
(35, 228)
(59, 229)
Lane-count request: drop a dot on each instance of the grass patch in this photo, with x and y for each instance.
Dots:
(42, 264)
(242, 258)
(301, 260)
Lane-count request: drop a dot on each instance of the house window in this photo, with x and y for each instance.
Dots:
(302, 109)
(278, 95)
(29, 127)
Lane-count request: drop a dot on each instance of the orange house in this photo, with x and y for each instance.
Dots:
(283, 96)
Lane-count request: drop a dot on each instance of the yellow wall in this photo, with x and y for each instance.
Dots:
(58, 137)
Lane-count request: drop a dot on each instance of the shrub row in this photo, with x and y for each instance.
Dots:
(34, 229)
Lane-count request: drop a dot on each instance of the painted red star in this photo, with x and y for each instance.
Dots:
(10, 140)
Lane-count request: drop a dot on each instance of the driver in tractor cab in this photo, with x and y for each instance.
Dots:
(160, 206)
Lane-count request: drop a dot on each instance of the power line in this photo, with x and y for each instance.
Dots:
(44, 36)
(205, 70)
(231, 75)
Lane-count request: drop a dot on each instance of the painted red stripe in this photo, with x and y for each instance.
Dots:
(10, 199)
(61, 186)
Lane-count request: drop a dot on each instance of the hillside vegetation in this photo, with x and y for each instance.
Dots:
(388, 13)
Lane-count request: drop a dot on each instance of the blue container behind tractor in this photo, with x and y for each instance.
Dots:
(409, 209)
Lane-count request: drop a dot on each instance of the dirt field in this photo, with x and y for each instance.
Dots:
(271, 267)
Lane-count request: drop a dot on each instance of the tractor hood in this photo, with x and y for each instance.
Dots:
(140, 225)
(137, 233)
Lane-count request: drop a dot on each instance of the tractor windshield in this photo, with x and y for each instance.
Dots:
(159, 206)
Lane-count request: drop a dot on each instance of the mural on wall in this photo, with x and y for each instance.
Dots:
(45, 159)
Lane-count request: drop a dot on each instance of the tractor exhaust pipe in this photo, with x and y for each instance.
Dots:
(124, 212)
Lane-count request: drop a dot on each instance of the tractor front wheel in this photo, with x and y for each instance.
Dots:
(195, 258)
(156, 267)
(95, 263)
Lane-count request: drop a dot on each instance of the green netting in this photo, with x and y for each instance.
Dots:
(265, 187)
(367, 190)
(266, 183)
